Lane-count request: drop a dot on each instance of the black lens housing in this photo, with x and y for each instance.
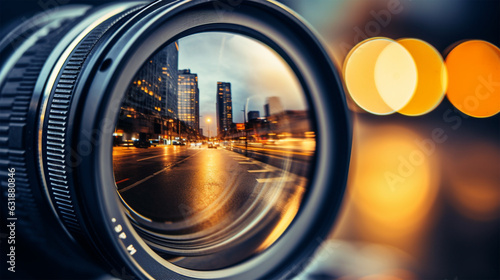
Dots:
(66, 144)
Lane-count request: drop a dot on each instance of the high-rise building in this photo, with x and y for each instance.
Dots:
(153, 91)
(169, 73)
(253, 115)
(188, 99)
(224, 108)
(273, 106)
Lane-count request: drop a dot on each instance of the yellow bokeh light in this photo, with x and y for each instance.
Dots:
(380, 75)
(359, 75)
(393, 182)
(432, 77)
(474, 78)
(395, 76)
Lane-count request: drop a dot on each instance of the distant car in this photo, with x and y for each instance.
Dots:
(127, 143)
(212, 146)
(142, 144)
(154, 142)
(270, 142)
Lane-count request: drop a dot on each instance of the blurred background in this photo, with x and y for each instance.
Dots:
(423, 196)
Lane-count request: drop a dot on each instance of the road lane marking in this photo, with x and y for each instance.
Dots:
(260, 163)
(121, 181)
(248, 162)
(282, 157)
(151, 157)
(239, 157)
(259, 171)
(121, 155)
(278, 151)
(154, 174)
(276, 179)
(168, 154)
(137, 153)
(141, 181)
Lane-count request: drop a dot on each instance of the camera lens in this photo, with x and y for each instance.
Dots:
(234, 189)
(186, 139)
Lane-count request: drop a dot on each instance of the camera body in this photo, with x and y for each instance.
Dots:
(66, 78)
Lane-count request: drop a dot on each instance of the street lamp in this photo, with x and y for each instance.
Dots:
(208, 121)
(170, 130)
(245, 126)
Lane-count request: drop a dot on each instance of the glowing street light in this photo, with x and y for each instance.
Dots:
(208, 121)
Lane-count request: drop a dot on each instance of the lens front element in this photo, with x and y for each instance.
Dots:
(212, 149)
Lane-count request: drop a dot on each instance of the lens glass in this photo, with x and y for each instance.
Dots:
(213, 149)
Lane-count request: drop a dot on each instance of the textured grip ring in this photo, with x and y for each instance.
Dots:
(56, 148)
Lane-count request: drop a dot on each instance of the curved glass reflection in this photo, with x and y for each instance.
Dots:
(213, 149)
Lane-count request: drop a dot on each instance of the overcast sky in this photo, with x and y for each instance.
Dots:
(254, 70)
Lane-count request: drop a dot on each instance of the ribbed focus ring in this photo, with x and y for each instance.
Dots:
(57, 149)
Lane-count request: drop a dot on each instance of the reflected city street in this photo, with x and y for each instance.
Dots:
(213, 150)
(212, 194)
(199, 177)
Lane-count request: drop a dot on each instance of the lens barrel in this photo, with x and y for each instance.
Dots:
(63, 77)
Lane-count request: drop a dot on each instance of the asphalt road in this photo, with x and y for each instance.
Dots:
(173, 183)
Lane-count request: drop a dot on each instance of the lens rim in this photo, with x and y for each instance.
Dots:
(127, 49)
(45, 91)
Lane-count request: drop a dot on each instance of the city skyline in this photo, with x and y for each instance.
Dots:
(254, 70)
(181, 82)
